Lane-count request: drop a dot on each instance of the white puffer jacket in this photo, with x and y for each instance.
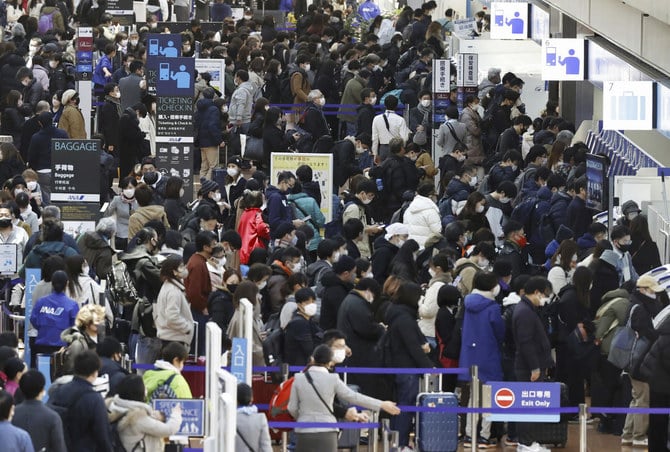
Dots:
(423, 219)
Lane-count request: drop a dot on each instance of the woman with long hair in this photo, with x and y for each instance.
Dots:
(253, 229)
(575, 349)
(172, 314)
(81, 287)
(12, 117)
(473, 135)
(434, 38)
(403, 264)
(175, 208)
(272, 90)
(564, 262)
(248, 290)
(11, 162)
(474, 211)
(643, 250)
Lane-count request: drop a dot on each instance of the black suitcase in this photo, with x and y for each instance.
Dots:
(553, 433)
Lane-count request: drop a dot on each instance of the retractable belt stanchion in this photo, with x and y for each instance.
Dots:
(583, 415)
(474, 393)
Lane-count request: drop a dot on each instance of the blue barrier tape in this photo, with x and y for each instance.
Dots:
(622, 410)
(401, 371)
(342, 425)
(461, 409)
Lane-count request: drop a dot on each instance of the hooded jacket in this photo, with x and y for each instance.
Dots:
(155, 377)
(533, 349)
(428, 304)
(241, 103)
(254, 231)
(355, 319)
(406, 338)
(384, 253)
(145, 214)
(43, 250)
(605, 278)
(423, 219)
(334, 292)
(303, 205)
(137, 423)
(207, 123)
(611, 317)
(172, 313)
(98, 253)
(483, 334)
(278, 209)
(351, 96)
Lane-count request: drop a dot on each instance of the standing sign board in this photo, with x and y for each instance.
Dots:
(192, 414)
(509, 20)
(441, 87)
(238, 359)
(322, 167)
(563, 59)
(215, 68)
(628, 105)
(467, 77)
(596, 174)
(33, 276)
(70, 158)
(520, 395)
(84, 54)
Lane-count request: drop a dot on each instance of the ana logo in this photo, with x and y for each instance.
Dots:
(51, 310)
(75, 198)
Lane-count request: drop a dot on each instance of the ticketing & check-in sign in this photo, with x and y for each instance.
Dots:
(521, 395)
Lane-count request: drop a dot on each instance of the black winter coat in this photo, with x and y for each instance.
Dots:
(365, 114)
(334, 292)
(108, 124)
(356, 320)
(11, 124)
(381, 259)
(406, 338)
(533, 350)
(314, 122)
(131, 142)
(655, 368)
(274, 140)
(605, 279)
(8, 68)
(300, 339)
(645, 255)
(11, 168)
(220, 308)
(344, 163)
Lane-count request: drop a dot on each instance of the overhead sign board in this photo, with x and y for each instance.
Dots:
(563, 59)
(509, 20)
(628, 105)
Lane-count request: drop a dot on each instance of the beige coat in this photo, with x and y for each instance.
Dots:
(72, 121)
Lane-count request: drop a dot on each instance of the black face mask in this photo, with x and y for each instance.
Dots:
(5, 223)
(624, 248)
(232, 287)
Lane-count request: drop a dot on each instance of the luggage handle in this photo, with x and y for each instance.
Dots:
(426, 382)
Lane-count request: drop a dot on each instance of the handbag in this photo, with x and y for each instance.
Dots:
(421, 137)
(253, 150)
(627, 347)
(579, 347)
(58, 360)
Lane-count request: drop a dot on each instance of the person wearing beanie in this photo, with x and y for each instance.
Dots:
(39, 150)
(210, 195)
(314, 392)
(72, 121)
(207, 121)
(629, 210)
(53, 314)
(514, 248)
(337, 283)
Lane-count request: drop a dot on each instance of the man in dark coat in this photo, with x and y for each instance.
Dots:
(208, 132)
(131, 142)
(578, 216)
(313, 120)
(533, 349)
(86, 426)
(365, 112)
(337, 284)
(39, 151)
(356, 320)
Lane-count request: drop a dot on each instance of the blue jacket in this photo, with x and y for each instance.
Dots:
(14, 438)
(278, 209)
(51, 315)
(483, 334)
(207, 124)
(368, 10)
(303, 205)
(43, 250)
(559, 209)
(99, 75)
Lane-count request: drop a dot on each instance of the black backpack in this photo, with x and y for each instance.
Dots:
(286, 96)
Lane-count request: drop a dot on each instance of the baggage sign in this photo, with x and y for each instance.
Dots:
(521, 396)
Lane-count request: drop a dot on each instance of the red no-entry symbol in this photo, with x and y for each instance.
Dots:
(504, 397)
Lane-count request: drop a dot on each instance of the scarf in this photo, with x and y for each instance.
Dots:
(115, 101)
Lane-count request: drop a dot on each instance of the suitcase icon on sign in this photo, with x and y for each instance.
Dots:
(629, 107)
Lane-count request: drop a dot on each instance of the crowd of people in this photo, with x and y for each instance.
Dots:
(497, 264)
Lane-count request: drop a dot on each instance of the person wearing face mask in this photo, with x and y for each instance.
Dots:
(365, 192)
(471, 118)
(300, 85)
(474, 211)
(170, 365)
(533, 349)
(438, 269)
(506, 170)
(629, 210)
(498, 210)
(304, 205)
(88, 329)
(32, 91)
(466, 268)
(278, 209)
(302, 334)
(423, 162)
(288, 263)
(146, 211)
(253, 229)
(10, 233)
(337, 283)
(513, 249)
(482, 338)
(621, 245)
(110, 113)
(386, 247)
(353, 95)
(172, 314)
(72, 120)
(365, 112)
(510, 137)
(450, 137)
(313, 119)
(564, 262)
(460, 185)
(220, 301)
(234, 186)
(122, 206)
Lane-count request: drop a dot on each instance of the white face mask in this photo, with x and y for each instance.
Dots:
(366, 201)
(473, 181)
(134, 42)
(432, 272)
(295, 268)
(479, 208)
(232, 172)
(484, 263)
(85, 269)
(425, 103)
(17, 191)
(336, 257)
(339, 355)
(217, 197)
(544, 300)
(400, 243)
(262, 285)
(32, 185)
(310, 310)
(181, 192)
(53, 64)
(129, 192)
(307, 67)
(496, 291)
(373, 100)
(124, 42)
(504, 200)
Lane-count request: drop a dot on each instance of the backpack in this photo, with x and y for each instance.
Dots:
(383, 351)
(121, 289)
(273, 351)
(546, 228)
(186, 219)
(279, 403)
(286, 96)
(117, 444)
(551, 321)
(143, 318)
(523, 213)
(164, 390)
(46, 22)
(399, 215)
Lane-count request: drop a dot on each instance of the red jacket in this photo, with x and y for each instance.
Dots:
(197, 283)
(254, 232)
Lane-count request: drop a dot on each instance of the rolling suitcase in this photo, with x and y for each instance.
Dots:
(195, 378)
(553, 433)
(438, 431)
(263, 389)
